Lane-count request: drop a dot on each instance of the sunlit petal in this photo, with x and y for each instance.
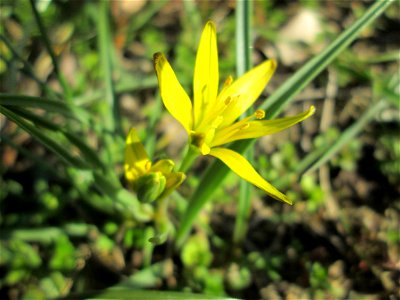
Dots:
(255, 129)
(245, 90)
(205, 81)
(173, 95)
(137, 162)
(238, 164)
(165, 166)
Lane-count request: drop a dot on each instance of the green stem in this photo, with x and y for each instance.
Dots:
(243, 64)
(191, 154)
(148, 247)
(104, 42)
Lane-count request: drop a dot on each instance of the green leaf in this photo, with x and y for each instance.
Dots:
(105, 47)
(243, 64)
(130, 293)
(284, 95)
(89, 154)
(217, 172)
(46, 40)
(48, 142)
(56, 106)
(348, 135)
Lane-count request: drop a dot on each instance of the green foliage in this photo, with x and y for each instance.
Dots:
(319, 277)
(238, 277)
(64, 256)
(196, 252)
(270, 264)
(388, 155)
(19, 258)
(75, 77)
(313, 192)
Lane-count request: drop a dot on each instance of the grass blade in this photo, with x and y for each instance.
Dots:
(28, 69)
(275, 104)
(44, 139)
(348, 135)
(89, 154)
(62, 108)
(43, 32)
(105, 44)
(243, 64)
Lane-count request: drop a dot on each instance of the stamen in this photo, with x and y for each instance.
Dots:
(245, 126)
(228, 81)
(230, 100)
(259, 114)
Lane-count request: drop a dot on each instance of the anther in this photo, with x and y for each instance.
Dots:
(259, 114)
(228, 81)
(245, 126)
(228, 100)
(203, 94)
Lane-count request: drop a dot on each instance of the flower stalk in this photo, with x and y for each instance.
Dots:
(192, 153)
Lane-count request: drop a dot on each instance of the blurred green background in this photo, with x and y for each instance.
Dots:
(67, 229)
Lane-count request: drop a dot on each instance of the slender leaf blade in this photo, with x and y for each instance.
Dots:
(44, 139)
(89, 153)
(46, 104)
(348, 135)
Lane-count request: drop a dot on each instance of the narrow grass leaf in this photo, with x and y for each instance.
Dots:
(348, 135)
(126, 84)
(125, 293)
(243, 64)
(51, 144)
(275, 104)
(66, 110)
(105, 44)
(30, 155)
(46, 40)
(89, 153)
(27, 68)
(35, 119)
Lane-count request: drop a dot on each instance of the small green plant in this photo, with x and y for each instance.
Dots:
(88, 203)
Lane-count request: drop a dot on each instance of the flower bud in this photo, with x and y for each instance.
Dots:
(150, 186)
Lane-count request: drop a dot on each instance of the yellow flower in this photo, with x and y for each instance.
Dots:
(150, 181)
(210, 120)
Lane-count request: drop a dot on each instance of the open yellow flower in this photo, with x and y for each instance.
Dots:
(210, 120)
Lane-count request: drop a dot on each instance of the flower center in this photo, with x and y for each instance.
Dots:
(202, 140)
(226, 133)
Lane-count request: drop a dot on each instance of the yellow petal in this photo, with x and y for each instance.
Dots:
(165, 166)
(238, 164)
(172, 93)
(137, 162)
(245, 90)
(255, 129)
(205, 81)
